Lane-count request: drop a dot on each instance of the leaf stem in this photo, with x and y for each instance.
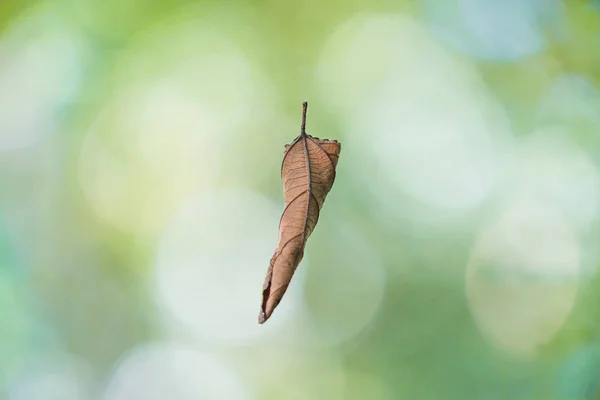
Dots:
(303, 126)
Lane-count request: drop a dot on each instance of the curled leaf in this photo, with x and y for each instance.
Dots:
(308, 173)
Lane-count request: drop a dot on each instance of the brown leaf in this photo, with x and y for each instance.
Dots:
(307, 172)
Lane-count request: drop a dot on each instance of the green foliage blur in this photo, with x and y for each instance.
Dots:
(456, 256)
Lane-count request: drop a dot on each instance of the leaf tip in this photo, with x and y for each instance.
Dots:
(262, 317)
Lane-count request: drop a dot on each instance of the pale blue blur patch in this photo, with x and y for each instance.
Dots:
(40, 75)
(578, 377)
(17, 325)
(52, 376)
(495, 30)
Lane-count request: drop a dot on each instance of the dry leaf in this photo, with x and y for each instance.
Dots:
(307, 172)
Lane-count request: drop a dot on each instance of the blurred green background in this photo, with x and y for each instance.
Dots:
(456, 256)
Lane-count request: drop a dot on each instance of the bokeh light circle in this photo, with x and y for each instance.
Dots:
(167, 129)
(420, 120)
(145, 154)
(345, 291)
(523, 275)
(165, 370)
(211, 263)
(553, 168)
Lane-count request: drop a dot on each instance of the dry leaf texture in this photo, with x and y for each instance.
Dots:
(308, 173)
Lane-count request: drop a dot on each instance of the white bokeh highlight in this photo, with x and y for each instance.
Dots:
(211, 263)
(167, 131)
(145, 154)
(523, 275)
(41, 68)
(347, 288)
(168, 370)
(420, 121)
(549, 166)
